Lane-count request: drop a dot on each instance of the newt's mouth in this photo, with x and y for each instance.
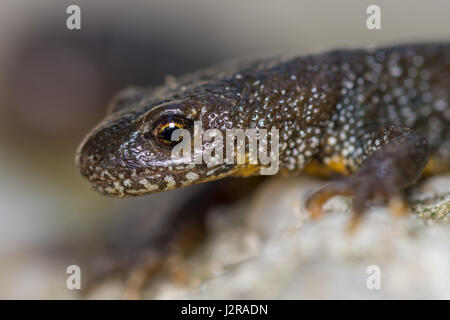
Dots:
(134, 181)
(117, 180)
(123, 188)
(121, 181)
(149, 183)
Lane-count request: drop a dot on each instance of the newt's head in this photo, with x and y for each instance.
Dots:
(130, 152)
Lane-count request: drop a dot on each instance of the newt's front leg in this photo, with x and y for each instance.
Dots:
(394, 159)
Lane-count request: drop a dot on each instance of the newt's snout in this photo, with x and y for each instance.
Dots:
(120, 160)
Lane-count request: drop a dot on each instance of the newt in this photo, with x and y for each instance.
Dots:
(374, 116)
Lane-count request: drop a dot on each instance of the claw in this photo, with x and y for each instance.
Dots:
(362, 192)
(314, 204)
(398, 206)
(318, 198)
(354, 223)
(140, 275)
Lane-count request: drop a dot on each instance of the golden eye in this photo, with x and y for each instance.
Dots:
(164, 133)
(166, 126)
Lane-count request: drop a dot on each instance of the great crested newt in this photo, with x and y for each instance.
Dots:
(377, 117)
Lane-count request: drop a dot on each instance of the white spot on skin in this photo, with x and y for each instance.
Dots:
(127, 183)
(191, 176)
(107, 174)
(110, 190)
(118, 186)
(170, 181)
(140, 191)
(148, 185)
(210, 172)
(332, 141)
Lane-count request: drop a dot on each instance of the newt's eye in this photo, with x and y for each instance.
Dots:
(165, 127)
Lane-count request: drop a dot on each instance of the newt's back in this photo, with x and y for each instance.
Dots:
(405, 85)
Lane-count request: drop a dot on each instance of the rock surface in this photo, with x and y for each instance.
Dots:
(269, 248)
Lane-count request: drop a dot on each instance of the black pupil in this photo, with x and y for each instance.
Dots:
(166, 133)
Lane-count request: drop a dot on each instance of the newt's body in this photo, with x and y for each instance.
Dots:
(374, 115)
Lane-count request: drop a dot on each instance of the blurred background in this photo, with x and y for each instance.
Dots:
(55, 84)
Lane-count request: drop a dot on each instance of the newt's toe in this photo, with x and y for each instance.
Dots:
(362, 192)
(318, 198)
